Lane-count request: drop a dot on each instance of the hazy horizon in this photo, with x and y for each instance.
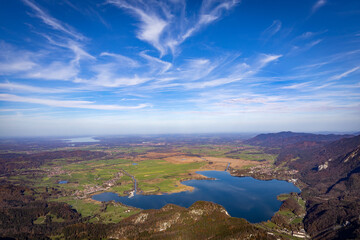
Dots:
(115, 135)
(115, 67)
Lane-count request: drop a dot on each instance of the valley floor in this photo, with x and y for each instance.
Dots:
(71, 175)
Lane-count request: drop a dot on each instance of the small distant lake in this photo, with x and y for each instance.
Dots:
(243, 197)
(63, 182)
(81, 140)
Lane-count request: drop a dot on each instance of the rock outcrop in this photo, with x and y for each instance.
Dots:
(203, 220)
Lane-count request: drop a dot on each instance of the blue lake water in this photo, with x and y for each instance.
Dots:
(243, 197)
(63, 182)
(81, 139)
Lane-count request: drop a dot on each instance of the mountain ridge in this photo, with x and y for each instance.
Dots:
(288, 138)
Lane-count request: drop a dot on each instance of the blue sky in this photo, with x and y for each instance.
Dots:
(126, 66)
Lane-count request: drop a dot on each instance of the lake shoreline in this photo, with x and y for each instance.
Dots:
(219, 187)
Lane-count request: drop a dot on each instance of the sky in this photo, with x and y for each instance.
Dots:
(101, 67)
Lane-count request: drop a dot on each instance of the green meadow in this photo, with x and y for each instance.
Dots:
(153, 177)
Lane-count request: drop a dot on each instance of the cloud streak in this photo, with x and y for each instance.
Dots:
(53, 22)
(27, 88)
(344, 74)
(318, 5)
(271, 30)
(164, 58)
(240, 71)
(13, 60)
(165, 25)
(67, 103)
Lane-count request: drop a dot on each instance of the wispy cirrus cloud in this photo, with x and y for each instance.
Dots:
(344, 74)
(297, 85)
(13, 60)
(152, 23)
(122, 60)
(64, 66)
(157, 66)
(271, 30)
(160, 25)
(318, 4)
(307, 86)
(53, 71)
(309, 35)
(235, 102)
(195, 69)
(74, 46)
(17, 65)
(32, 89)
(34, 65)
(106, 75)
(53, 22)
(67, 103)
(165, 25)
(300, 49)
(238, 72)
(204, 73)
(212, 10)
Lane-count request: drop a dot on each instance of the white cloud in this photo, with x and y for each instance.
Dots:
(16, 66)
(53, 22)
(126, 81)
(54, 71)
(79, 52)
(271, 30)
(306, 47)
(165, 25)
(250, 100)
(308, 35)
(238, 73)
(122, 60)
(26, 64)
(67, 103)
(318, 4)
(265, 59)
(344, 74)
(213, 10)
(311, 66)
(151, 31)
(195, 69)
(106, 75)
(115, 70)
(13, 60)
(313, 43)
(156, 65)
(297, 85)
(61, 68)
(210, 11)
(75, 47)
(152, 25)
(27, 88)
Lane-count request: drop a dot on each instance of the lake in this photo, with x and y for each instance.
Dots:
(81, 140)
(243, 197)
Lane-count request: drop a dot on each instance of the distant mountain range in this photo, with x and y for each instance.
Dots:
(284, 139)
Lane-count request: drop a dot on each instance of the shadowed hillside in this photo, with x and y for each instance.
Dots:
(332, 177)
(285, 139)
(203, 220)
